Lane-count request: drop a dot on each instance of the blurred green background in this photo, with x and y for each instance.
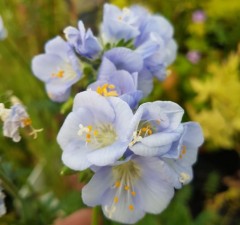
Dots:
(207, 87)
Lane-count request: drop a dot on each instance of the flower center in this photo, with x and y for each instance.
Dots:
(59, 74)
(99, 137)
(145, 128)
(125, 176)
(107, 90)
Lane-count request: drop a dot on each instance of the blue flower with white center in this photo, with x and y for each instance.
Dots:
(95, 132)
(15, 118)
(118, 24)
(84, 42)
(183, 153)
(58, 68)
(129, 189)
(2, 204)
(113, 82)
(155, 127)
(3, 31)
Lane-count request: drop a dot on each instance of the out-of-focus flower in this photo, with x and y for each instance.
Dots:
(95, 132)
(194, 56)
(3, 31)
(155, 127)
(118, 24)
(113, 82)
(84, 42)
(14, 118)
(156, 44)
(198, 16)
(59, 68)
(2, 204)
(129, 189)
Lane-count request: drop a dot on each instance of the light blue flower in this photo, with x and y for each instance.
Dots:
(95, 132)
(155, 127)
(183, 153)
(58, 68)
(3, 209)
(113, 82)
(3, 31)
(156, 45)
(15, 118)
(84, 42)
(118, 24)
(129, 189)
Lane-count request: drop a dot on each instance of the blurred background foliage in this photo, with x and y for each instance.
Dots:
(204, 80)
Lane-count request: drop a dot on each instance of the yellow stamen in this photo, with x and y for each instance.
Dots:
(111, 86)
(59, 74)
(117, 184)
(131, 207)
(133, 193)
(115, 199)
(126, 188)
(90, 128)
(111, 94)
(95, 133)
(184, 150)
(27, 122)
(99, 90)
(88, 136)
(104, 90)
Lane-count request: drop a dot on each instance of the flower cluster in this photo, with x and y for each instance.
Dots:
(139, 154)
(14, 118)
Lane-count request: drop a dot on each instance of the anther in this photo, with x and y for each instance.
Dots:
(133, 193)
(115, 199)
(131, 207)
(59, 74)
(117, 184)
(26, 122)
(126, 188)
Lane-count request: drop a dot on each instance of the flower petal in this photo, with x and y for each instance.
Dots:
(92, 192)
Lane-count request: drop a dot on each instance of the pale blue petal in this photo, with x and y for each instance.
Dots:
(44, 65)
(145, 82)
(74, 156)
(93, 191)
(107, 155)
(155, 187)
(123, 114)
(57, 46)
(145, 150)
(106, 68)
(125, 59)
(161, 139)
(96, 103)
(121, 212)
(70, 127)
(58, 92)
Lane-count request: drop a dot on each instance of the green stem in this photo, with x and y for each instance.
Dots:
(95, 214)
